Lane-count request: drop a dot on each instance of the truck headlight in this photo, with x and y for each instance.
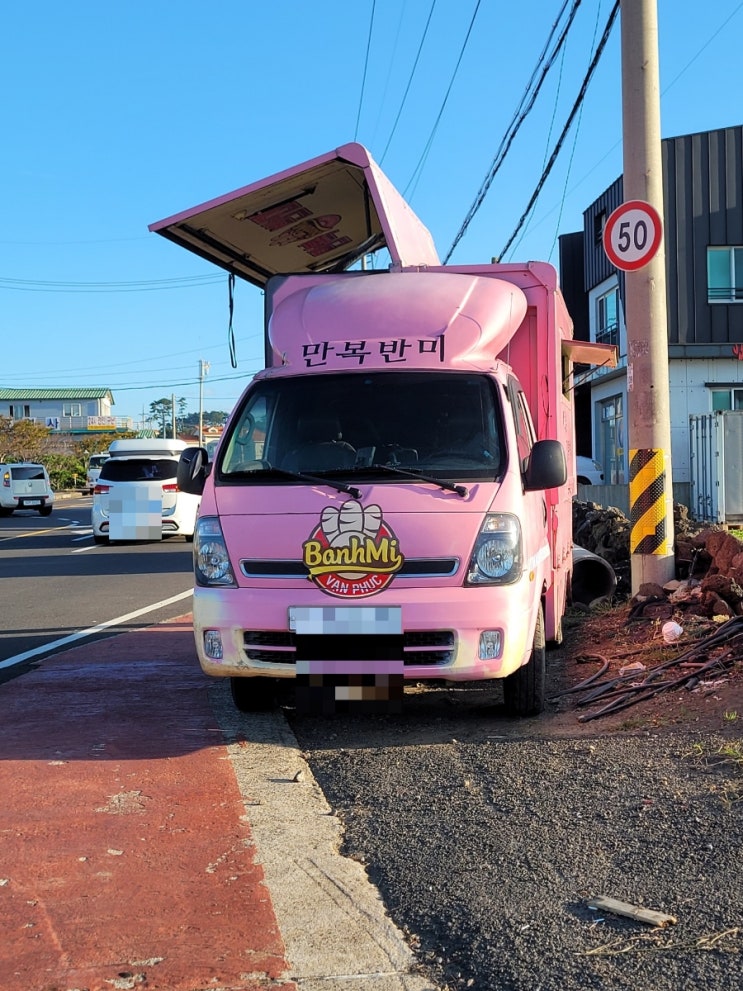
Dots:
(497, 556)
(210, 559)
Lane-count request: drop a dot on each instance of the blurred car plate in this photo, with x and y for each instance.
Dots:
(309, 620)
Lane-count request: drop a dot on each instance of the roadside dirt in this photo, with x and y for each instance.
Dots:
(436, 712)
(712, 703)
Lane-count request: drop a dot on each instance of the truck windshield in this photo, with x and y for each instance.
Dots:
(444, 424)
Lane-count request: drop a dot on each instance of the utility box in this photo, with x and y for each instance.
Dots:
(716, 446)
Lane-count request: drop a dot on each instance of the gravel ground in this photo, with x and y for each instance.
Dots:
(487, 851)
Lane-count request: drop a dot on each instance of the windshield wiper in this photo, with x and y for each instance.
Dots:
(299, 476)
(419, 475)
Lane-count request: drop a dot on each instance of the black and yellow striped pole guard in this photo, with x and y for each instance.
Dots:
(650, 531)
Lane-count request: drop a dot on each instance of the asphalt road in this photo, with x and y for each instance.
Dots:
(56, 583)
(488, 838)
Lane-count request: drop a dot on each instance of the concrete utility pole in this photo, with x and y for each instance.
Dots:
(650, 479)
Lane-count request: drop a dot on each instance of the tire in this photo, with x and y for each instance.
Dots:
(99, 539)
(188, 537)
(253, 694)
(5, 511)
(45, 511)
(524, 690)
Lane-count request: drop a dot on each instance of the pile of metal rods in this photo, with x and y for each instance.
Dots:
(693, 664)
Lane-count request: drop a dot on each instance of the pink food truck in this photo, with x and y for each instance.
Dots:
(392, 496)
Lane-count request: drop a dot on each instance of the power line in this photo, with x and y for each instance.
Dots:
(146, 285)
(572, 151)
(366, 66)
(410, 80)
(413, 181)
(566, 128)
(522, 112)
(665, 89)
(390, 63)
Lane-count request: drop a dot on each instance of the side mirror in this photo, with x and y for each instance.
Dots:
(547, 468)
(193, 470)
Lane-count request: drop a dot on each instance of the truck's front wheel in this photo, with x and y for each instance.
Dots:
(524, 690)
(253, 694)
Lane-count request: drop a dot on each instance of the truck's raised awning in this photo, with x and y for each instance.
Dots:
(591, 353)
(320, 216)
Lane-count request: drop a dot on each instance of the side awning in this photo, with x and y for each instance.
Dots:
(590, 353)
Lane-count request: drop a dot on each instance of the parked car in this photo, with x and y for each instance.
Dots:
(589, 472)
(137, 497)
(95, 463)
(25, 485)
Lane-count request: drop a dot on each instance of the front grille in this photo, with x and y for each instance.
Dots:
(443, 567)
(420, 648)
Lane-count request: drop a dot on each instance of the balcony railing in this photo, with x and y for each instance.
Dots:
(725, 294)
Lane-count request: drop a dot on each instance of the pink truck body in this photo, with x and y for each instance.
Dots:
(395, 527)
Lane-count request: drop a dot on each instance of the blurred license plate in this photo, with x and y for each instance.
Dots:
(32, 502)
(352, 620)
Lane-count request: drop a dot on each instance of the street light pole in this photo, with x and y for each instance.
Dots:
(650, 478)
(203, 370)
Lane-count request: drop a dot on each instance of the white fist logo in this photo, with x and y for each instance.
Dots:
(351, 520)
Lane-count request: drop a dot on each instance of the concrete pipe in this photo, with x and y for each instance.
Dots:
(593, 577)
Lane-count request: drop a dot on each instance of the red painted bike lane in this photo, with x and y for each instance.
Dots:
(126, 859)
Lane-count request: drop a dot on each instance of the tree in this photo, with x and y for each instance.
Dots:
(162, 411)
(211, 418)
(22, 440)
(99, 443)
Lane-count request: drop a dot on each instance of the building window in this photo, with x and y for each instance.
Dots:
(599, 222)
(611, 441)
(725, 275)
(19, 412)
(723, 399)
(72, 409)
(607, 318)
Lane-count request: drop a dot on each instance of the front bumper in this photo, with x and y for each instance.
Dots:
(441, 629)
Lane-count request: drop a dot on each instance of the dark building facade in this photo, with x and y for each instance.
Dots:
(703, 242)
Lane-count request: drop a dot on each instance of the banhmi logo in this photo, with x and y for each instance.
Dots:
(352, 553)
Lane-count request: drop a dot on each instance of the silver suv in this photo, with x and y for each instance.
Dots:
(25, 486)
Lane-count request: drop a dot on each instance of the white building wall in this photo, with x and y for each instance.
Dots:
(689, 394)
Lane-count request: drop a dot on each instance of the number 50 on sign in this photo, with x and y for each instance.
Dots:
(632, 235)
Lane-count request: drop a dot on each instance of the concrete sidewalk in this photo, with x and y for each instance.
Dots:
(152, 836)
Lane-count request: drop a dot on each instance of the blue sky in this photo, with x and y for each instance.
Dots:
(118, 115)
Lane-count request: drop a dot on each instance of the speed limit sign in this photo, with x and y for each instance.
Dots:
(632, 235)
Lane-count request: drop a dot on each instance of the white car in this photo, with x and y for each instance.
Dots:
(25, 485)
(95, 464)
(137, 497)
(589, 472)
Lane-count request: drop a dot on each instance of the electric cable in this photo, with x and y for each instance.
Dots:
(410, 80)
(572, 152)
(518, 119)
(366, 66)
(566, 128)
(413, 181)
(146, 285)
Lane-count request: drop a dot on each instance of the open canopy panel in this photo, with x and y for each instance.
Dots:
(320, 216)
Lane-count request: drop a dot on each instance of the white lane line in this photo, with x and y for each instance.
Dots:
(91, 630)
